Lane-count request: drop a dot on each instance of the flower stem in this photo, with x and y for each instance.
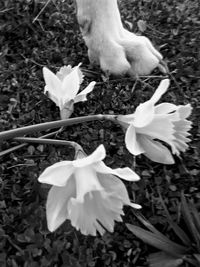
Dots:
(52, 125)
(47, 141)
(12, 149)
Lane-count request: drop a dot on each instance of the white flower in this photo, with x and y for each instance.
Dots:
(86, 192)
(63, 87)
(150, 124)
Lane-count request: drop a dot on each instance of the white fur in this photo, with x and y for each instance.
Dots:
(115, 49)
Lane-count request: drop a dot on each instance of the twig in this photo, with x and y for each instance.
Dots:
(41, 11)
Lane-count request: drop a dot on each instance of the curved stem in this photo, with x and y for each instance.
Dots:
(47, 141)
(12, 149)
(51, 125)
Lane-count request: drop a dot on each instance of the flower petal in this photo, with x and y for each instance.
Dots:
(86, 182)
(132, 144)
(82, 215)
(184, 111)
(70, 85)
(162, 88)
(85, 216)
(124, 173)
(57, 204)
(57, 174)
(63, 72)
(144, 114)
(82, 96)
(53, 85)
(112, 184)
(165, 108)
(156, 151)
(98, 155)
(160, 128)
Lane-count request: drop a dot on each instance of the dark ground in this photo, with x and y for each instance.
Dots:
(52, 40)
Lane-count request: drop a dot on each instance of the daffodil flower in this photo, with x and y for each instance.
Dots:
(86, 192)
(63, 87)
(151, 123)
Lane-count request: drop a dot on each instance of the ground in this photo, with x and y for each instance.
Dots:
(37, 33)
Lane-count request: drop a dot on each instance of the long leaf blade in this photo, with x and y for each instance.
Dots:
(155, 241)
(163, 259)
(189, 219)
(148, 225)
(177, 230)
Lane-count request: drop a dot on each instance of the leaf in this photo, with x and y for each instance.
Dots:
(177, 230)
(196, 220)
(197, 257)
(149, 226)
(142, 25)
(163, 259)
(156, 241)
(195, 215)
(186, 212)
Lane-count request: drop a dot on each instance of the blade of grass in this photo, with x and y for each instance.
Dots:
(189, 219)
(12, 149)
(195, 215)
(163, 259)
(148, 225)
(177, 230)
(197, 257)
(155, 241)
(196, 220)
(45, 141)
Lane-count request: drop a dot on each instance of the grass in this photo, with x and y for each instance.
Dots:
(40, 33)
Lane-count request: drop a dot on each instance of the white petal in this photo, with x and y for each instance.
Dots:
(179, 145)
(132, 144)
(57, 174)
(182, 125)
(99, 228)
(98, 155)
(83, 215)
(70, 85)
(160, 128)
(81, 75)
(86, 182)
(57, 204)
(67, 110)
(184, 111)
(53, 85)
(54, 98)
(108, 208)
(63, 72)
(82, 96)
(98, 209)
(112, 184)
(124, 173)
(165, 108)
(144, 114)
(52, 81)
(156, 151)
(162, 88)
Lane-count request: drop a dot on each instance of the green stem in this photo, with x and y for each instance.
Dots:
(12, 149)
(46, 141)
(51, 125)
